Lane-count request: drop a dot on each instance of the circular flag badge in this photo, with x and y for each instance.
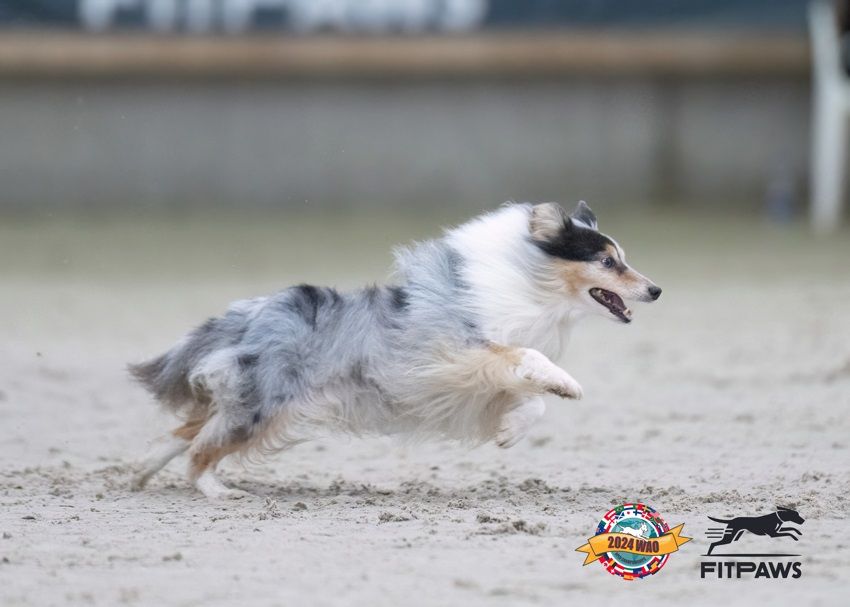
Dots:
(632, 541)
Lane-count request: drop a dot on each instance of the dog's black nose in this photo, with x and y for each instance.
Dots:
(654, 292)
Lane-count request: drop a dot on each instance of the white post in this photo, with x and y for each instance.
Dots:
(829, 159)
(830, 109)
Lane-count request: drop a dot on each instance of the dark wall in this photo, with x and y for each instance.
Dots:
(117, 147)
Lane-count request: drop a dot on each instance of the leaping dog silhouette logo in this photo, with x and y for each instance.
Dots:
(775, 524)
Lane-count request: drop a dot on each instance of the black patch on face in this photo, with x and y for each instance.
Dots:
(257, 418)
(398, 298)
(305, 302)
(574, 244)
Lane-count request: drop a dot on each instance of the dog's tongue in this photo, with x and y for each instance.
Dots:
(613, 302)
(618, 304)
(621, 305)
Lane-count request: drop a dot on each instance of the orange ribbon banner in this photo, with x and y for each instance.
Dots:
(623, 542)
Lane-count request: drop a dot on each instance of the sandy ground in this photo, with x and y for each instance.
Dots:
(727, 397)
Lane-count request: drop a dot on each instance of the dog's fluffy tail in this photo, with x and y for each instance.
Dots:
(167, 376)
(168, 384)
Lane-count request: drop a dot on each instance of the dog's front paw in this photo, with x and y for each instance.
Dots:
(508, 437)
(517, 422)
(547, 376)
(567, 387)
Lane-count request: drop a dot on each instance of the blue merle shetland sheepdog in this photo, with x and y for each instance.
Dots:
(459, 346)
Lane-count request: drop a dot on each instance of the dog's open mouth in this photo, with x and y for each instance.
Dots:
(613, 302)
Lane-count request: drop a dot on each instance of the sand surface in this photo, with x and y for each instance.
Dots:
(729, 396)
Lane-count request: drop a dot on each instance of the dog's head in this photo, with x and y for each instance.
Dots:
(588, 266)
(790, 515)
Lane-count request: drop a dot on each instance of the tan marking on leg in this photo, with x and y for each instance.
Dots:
(190, 429)
(510, 354)
(202, 464)
(207, 458)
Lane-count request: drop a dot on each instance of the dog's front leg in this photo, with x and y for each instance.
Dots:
(521, 372)
(507, 383)
(536, 374)
(516, 423)
(542, 375)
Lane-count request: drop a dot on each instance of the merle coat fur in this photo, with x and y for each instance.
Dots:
(458, 347)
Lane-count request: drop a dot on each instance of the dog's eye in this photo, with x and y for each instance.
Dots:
(608, 262)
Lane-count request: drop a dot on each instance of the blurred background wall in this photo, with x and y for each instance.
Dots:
(181, 106)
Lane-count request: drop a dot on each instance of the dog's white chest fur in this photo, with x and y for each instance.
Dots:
(497, 253)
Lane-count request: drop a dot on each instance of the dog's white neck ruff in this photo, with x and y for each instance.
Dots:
(506, 276)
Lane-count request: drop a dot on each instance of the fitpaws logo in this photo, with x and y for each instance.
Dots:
(782, 524)
(632, 541)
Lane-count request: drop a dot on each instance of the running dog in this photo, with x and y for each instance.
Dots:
(458, 347)
(771, 525)
(641, 532)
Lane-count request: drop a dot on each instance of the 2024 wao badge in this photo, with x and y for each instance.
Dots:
(632, 541)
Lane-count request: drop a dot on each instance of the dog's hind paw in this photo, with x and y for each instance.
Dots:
(510, 435)
(506, 439)
(214, 489)
(232, 494)
(227, 494)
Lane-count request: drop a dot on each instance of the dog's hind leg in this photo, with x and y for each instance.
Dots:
(517, 422)
(157, 460)
(171, 447)
(216, 440)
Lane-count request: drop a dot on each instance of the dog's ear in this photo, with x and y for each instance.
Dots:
(548, 219)
(582, 214)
